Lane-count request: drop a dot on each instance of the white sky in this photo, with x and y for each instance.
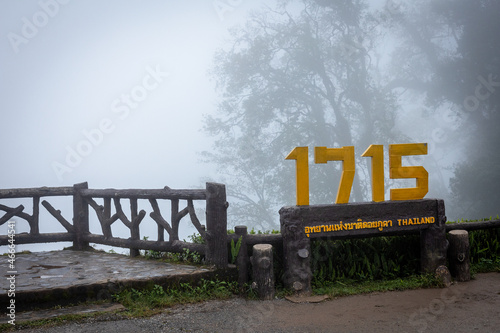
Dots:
(79, 59)
(65, 67)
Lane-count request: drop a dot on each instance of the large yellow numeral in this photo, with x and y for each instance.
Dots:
(345, 154)
(397, 171)
(376, 152)
(300, 154)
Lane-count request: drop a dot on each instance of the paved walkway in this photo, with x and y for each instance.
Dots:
(70, 276)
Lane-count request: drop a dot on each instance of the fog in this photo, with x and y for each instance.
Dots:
(65, 84)
(111, 93)
(114, 93)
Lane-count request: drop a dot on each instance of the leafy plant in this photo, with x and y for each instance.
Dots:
(196, 238)
(365, 259)
(235, 249)
(186, 255)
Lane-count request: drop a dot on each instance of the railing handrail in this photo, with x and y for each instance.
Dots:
(471, 226)
(166, 193)
(36, 192)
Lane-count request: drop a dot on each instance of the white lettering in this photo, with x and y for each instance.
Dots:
(15, 40)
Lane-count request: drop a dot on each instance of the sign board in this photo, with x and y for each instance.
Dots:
(300, 224)
(365, 219)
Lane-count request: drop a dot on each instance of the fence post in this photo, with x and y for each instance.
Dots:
(242, 259)
(216, 211)
(80, 217)
(35, 219)
(263, 270)
(134, 226)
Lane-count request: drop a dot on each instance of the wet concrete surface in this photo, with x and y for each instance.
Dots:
(45, 279)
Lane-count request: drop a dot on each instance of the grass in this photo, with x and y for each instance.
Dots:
(340, 288)
(485, 266)
(51, 322)
(140, 303)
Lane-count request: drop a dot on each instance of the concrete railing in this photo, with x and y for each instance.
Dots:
(102, 202)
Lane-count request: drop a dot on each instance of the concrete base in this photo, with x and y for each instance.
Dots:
(46, 279)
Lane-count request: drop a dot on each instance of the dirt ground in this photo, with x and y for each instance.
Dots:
(464, 307)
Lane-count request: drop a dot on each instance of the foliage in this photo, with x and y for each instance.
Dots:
(474, 185)
(448, 57)
(186, 256)
(235, 249)
(349, 287)
(386, 258)
(196, 238)
(266, 232)
(146, 302)
(365, 259)
(48, 322)
(485, 250)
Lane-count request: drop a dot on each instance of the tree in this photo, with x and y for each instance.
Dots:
(300, 75)
(473, 82)
(449, 54)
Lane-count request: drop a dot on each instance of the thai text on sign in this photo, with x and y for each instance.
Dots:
(360, 225)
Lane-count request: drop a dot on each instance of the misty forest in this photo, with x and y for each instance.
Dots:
(339, 73)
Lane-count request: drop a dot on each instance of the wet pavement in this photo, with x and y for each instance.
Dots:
(45, 279)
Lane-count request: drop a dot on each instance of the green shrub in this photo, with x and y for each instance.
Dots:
(365, 259)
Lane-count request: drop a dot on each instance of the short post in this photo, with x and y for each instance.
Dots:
(459, 255)
(80, 217)
(262, 268)
(216, 225)
(242, 259)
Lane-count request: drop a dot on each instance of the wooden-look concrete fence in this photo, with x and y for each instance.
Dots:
(215, 234)
(299, 224)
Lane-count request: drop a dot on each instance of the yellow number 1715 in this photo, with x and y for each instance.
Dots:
(376, 152)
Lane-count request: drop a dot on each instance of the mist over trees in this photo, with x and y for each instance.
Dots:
(450, 55)
(315, 73)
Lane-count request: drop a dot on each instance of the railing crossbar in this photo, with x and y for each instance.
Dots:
(145, 194)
